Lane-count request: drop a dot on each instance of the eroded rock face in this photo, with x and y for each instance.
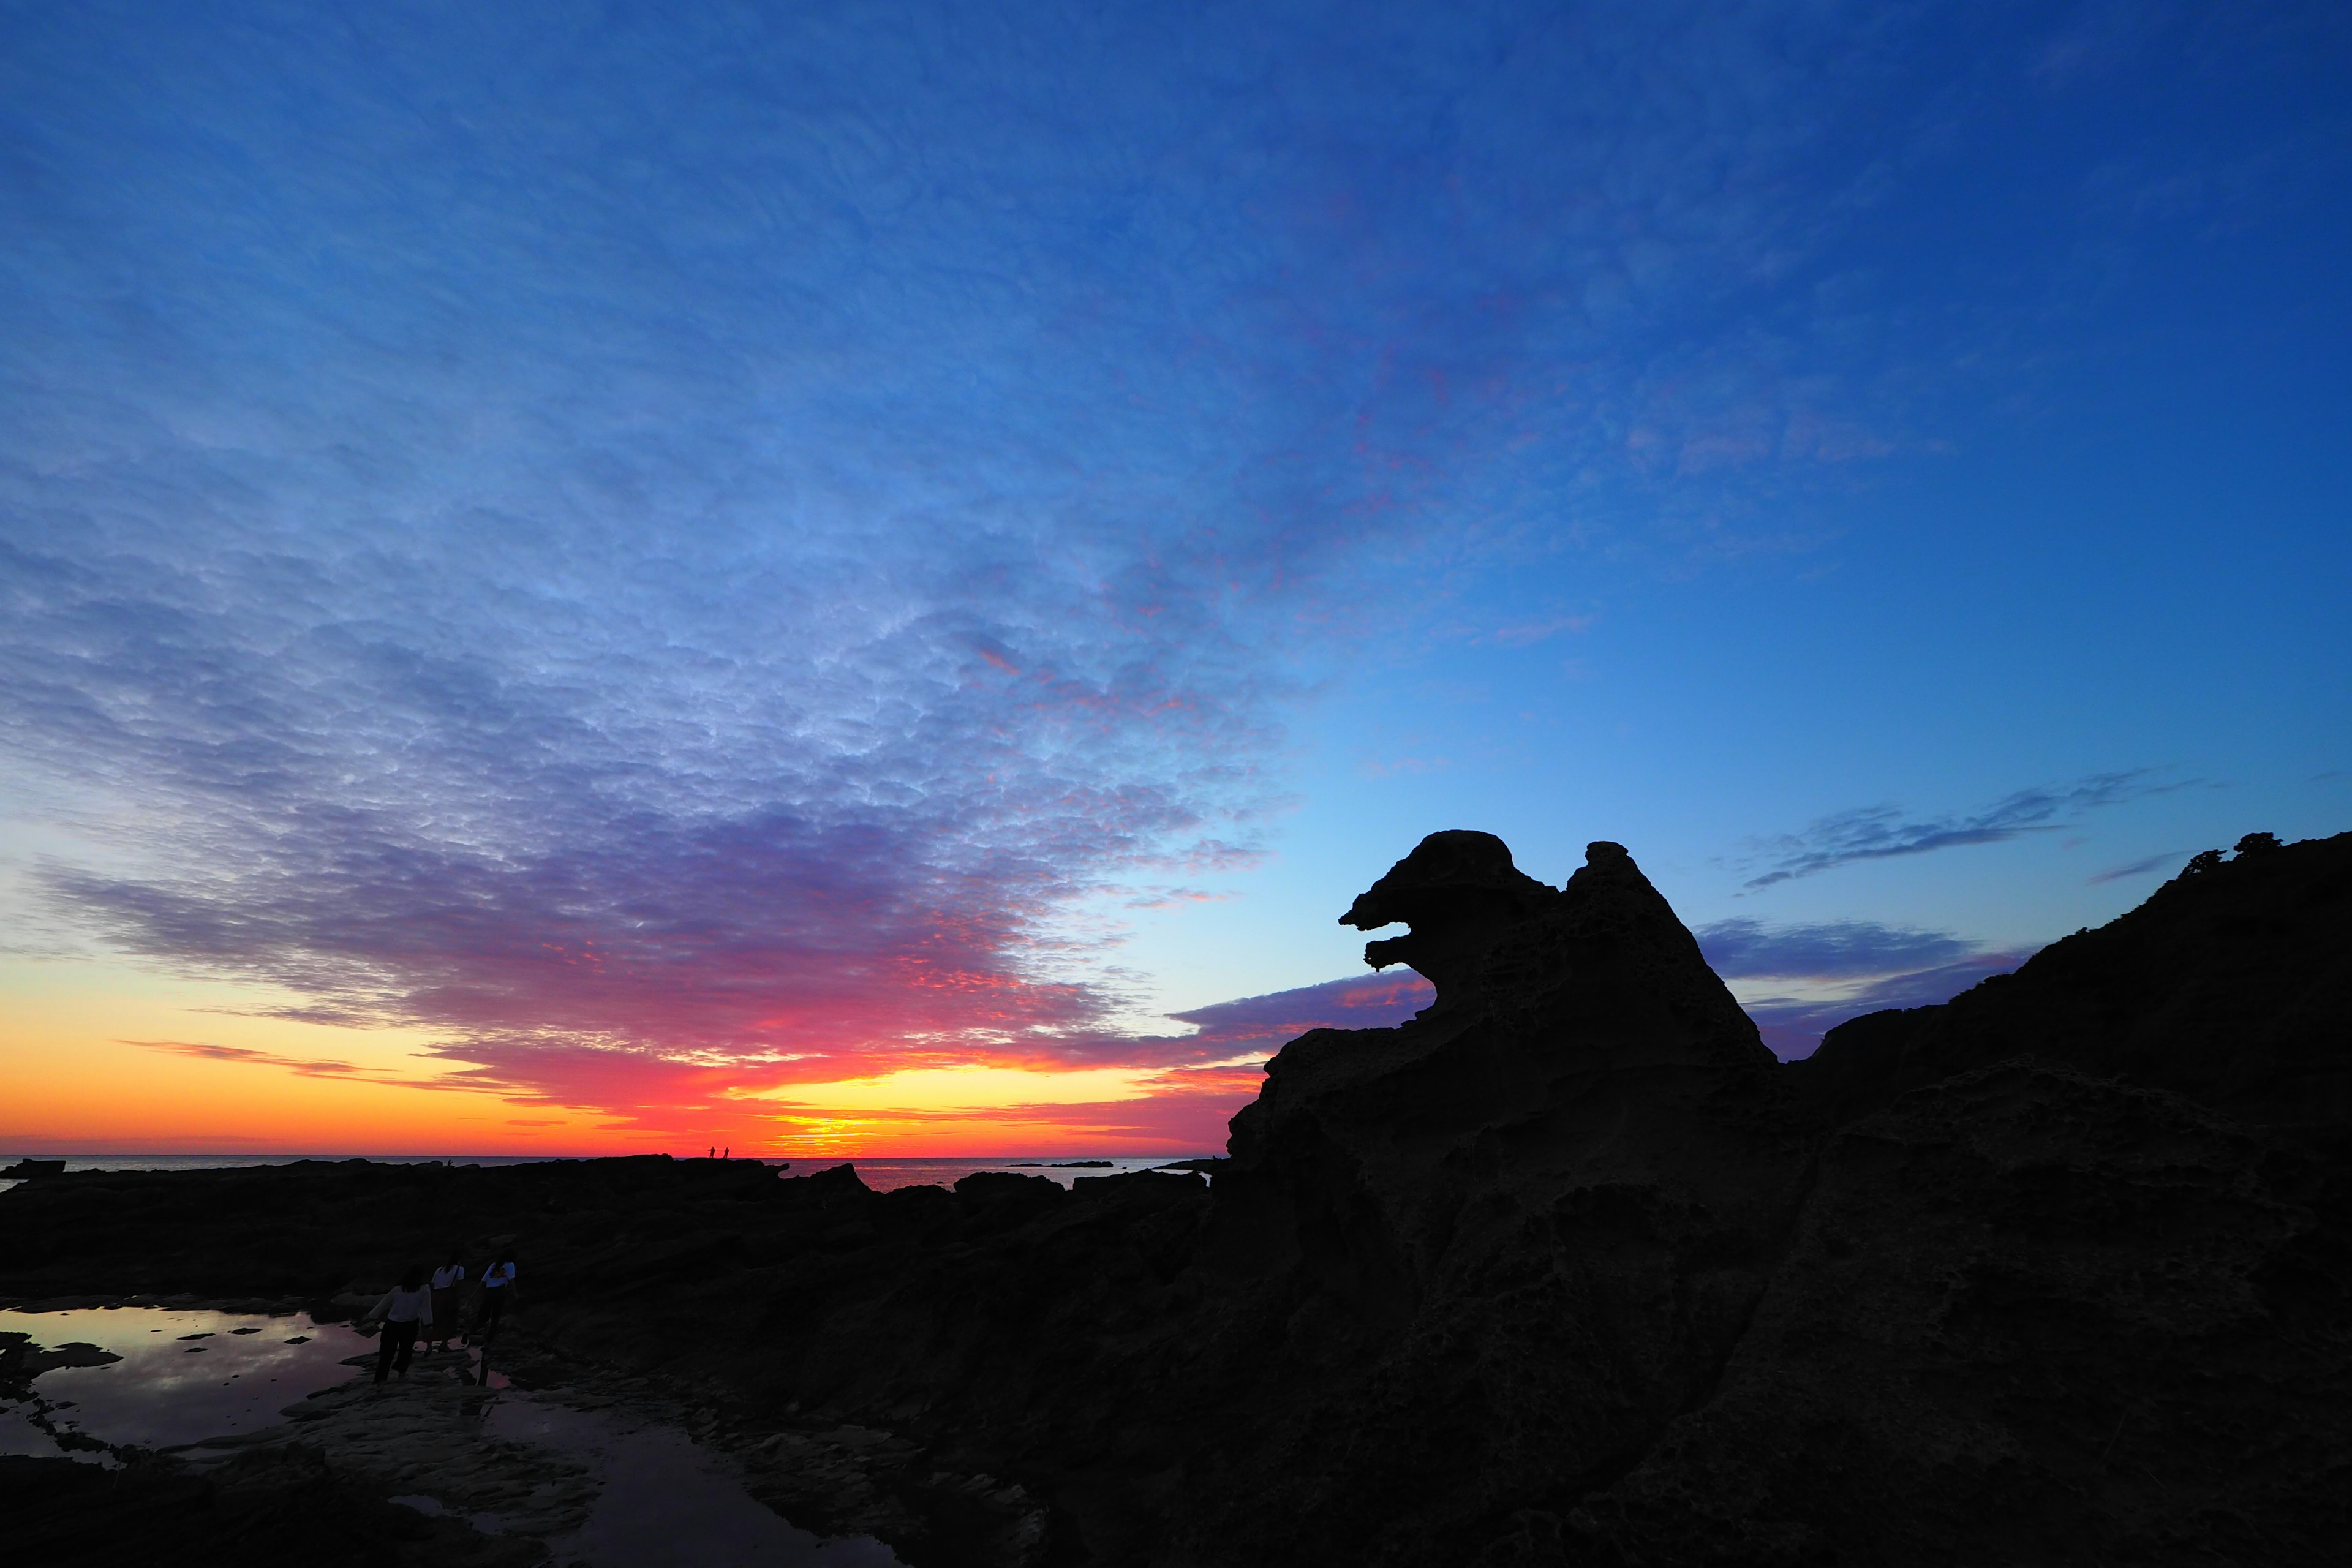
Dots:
(2229, 987)
(1576, 1275)
(2028, 1316)
(1566, 1270)
(1495, 1250)
(2073, 1279)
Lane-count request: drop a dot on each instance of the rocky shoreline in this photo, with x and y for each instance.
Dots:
(1568, 1270)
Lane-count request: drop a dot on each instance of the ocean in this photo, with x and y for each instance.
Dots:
(879, 1172)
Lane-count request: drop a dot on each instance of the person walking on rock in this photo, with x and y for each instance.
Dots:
(406, 1308)
(497, 1295)
(446, 1281)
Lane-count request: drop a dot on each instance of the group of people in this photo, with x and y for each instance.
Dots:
(423, 1309)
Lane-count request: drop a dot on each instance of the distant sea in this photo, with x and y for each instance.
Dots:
(881, 1174)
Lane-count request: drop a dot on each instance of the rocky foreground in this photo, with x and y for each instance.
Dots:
(1566, 1270)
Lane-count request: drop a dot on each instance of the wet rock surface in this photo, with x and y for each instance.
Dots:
(1566, 1270)
(424, 1436)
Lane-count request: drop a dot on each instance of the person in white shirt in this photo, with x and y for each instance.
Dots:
(406, 1309)
(446, 1281)
(497, 1295)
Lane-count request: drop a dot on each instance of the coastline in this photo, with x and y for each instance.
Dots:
(880, 1172)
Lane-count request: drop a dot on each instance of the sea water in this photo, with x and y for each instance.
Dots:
(246, 1161)
(882, 1174)
(885, 1175)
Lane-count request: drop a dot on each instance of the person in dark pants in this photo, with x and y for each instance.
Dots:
(405, 1309)
(497, 1295)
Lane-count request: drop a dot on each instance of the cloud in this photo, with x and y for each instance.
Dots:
(306, 1067)
(303, 1066)
(1836, 949)
(1840, 970)
(1267, 1023)
(1885, 832)
(2138, 868)
(1172, 897)
(675, 573)
(1524, 634)
(1792, 1026)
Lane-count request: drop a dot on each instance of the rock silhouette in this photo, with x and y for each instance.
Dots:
(2228, 987)
(1566, 1270)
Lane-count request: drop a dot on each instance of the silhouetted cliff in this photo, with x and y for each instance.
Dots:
(1568, 1270)
(2230, 986)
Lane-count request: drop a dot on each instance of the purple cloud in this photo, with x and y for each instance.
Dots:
(1267, 1022)
(672, 563)
(1793, 1027)
(1897, 967)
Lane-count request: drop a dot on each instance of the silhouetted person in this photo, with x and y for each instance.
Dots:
(446, 1281)
(405, 1307)
(726, 1154)
(497, 1295)
(711, 1152)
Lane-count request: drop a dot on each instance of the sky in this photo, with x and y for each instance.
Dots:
(845, 578)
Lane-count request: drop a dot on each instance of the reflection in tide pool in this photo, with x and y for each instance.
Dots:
(652, 1497)
(665, 1503)
(184, 1376)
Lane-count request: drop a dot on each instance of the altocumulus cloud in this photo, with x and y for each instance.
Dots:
(666, 545)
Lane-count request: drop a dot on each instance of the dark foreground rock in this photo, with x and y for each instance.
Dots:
(283, 1508)
(1566, 1270)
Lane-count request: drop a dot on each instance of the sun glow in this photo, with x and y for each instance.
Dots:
(972, 1088)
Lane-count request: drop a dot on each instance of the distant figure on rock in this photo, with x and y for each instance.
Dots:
(406, 1308)
(446, 1281)
(497, 1295)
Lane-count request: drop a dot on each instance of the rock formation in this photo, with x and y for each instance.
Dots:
(1566, 1270)
(1488, 1255)
(2227, 987)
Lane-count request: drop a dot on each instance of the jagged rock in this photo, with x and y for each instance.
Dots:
(2229, 987)
(282, 1508)
(2029, 1316)
(1497, 1247)
(1566, 1270)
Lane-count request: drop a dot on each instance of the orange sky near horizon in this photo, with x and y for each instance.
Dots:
(105, 1058)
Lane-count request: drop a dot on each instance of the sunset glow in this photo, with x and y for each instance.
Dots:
(597, 579)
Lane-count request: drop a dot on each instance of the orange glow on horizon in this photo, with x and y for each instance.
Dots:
(102, 1059)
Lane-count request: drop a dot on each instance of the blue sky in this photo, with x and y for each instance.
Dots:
(608, 537)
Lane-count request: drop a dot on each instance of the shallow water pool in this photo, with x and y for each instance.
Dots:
(187, 1377)
(184, 1375)
(665, 1502)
